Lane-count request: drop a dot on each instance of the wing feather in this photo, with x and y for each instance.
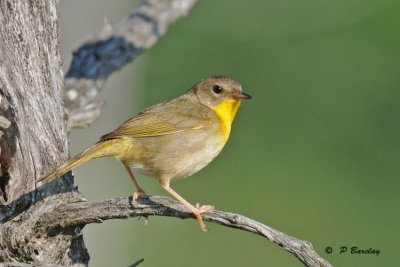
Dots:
(163, 119)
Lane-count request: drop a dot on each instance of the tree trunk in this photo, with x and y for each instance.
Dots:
(33, 137)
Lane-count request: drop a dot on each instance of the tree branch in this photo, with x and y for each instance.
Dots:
(82, 213)
(102, 55)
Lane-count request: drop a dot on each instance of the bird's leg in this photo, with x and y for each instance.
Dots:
(197, 211)
(139, 191)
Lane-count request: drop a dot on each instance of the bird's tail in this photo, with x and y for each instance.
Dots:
(97, 151)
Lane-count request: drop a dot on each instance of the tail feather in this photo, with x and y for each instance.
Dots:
(95, 151)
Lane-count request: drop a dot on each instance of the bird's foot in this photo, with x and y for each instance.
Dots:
(197, 213)
(204, 208)
(138, 194)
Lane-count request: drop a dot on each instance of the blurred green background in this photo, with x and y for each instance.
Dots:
(314, 154)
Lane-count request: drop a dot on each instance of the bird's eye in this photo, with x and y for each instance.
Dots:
(217, 89)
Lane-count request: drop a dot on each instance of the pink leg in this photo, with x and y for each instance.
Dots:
(197, 211)
(139, 191)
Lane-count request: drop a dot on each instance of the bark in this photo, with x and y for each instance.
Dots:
(33, 137)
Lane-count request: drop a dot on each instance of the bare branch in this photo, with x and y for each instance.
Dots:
(136, 263)
(82, 213)
(108, 52)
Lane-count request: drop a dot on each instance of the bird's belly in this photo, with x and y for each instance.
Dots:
(177, 157)
(196, 160)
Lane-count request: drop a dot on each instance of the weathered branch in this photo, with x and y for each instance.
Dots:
(108, 52)
(82, 213)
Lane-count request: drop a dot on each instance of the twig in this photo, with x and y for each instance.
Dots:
(108, 52)
(82, 213)
(136, 263)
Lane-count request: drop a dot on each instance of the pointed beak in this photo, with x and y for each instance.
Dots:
(241, 95)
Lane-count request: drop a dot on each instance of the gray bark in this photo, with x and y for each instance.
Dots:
(33, 137)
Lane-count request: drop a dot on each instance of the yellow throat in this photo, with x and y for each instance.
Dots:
(226, 112)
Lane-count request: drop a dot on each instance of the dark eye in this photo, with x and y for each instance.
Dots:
(217, 89)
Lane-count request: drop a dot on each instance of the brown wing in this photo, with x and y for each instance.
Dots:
(162, 119)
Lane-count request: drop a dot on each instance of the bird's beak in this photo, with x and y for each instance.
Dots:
(241, 95)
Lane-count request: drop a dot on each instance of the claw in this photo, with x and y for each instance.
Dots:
(204, 208)
(138, 194)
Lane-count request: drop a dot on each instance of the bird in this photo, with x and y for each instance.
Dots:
(171, 140)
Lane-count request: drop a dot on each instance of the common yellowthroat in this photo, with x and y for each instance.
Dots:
(173, 139)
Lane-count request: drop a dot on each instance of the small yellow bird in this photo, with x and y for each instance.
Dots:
(173, 139)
